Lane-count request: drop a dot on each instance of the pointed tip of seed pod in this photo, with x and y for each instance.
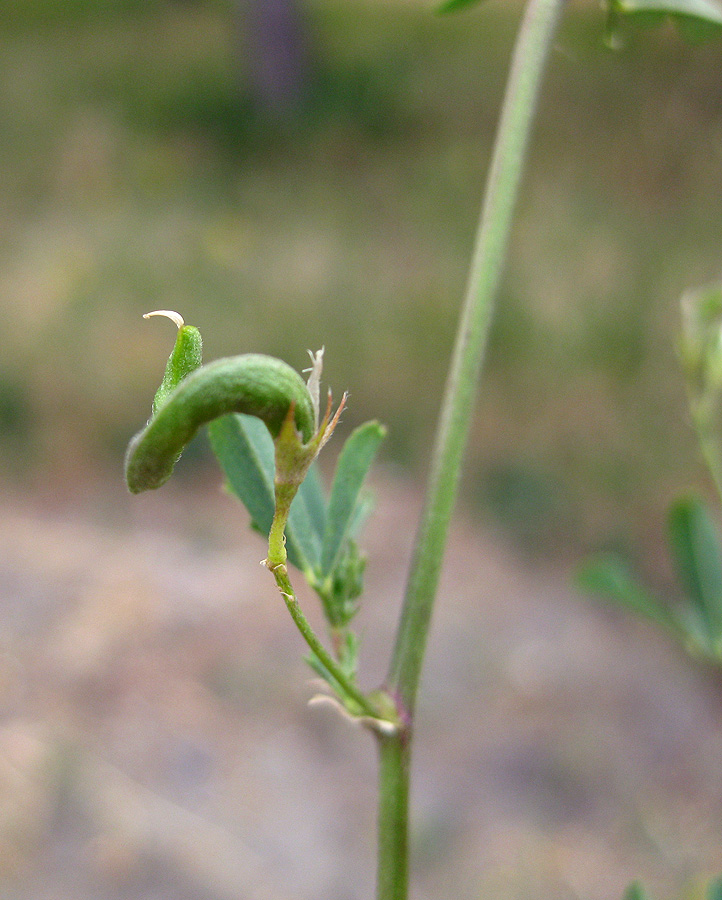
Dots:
(169, 314)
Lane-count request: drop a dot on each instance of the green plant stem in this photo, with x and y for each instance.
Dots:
(284, 494)
(394, 764)
(365, 706)
(527, 68)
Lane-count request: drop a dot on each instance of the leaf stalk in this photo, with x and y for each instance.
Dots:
(361, 701)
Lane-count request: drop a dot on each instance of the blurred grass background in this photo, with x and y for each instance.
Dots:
(144, 677)
(136, 175)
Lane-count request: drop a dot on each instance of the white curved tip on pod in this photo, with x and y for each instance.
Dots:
(169, 314)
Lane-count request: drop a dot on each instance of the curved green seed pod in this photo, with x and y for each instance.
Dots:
(186, 357)
(253, 384)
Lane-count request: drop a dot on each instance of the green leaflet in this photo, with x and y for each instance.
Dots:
(449, 6)
(696, 18)
(636, 891)
(694, 541)
(314, 499)
(606, 575)
(319, 533)
(714, 889)
(704, 10)
(245, 452)
(352, 468)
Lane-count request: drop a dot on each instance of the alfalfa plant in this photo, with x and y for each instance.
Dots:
(267, 426)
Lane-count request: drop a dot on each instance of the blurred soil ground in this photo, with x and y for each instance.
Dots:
(156, 740)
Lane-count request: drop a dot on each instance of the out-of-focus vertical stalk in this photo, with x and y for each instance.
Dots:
(528, 64)
(527, 69)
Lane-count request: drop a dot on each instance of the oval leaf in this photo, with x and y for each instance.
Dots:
(608, 576)
(694, 541)
(636, 891)
(714, 889)
(704, 11)
(455, 5)
(352, 468)
(312, 495)
(245, 452)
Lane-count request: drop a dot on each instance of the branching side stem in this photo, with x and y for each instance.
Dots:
(283, 582)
